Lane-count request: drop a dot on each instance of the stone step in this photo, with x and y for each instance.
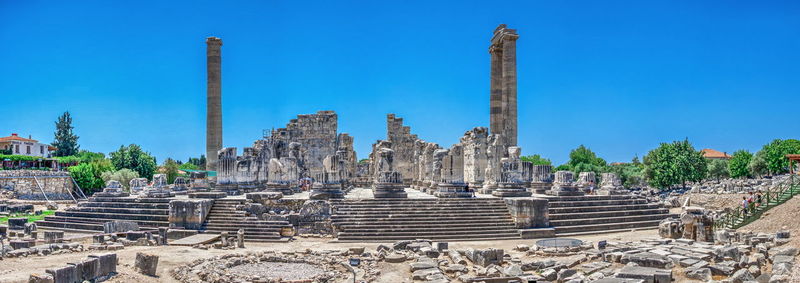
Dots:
(414, 223)
(391, 229)
(382, 237)
(115, 210)
(440, 217)
(583, 233)
(130, 199)
(70, 225)
(557, 210)
(251, 224)
(602, 227)
(591, 197)
(440, 238)
(423, 212)
(145, 205)
(596, 203)
(419, 208)
(606, 220)
(598, 214)
(116, 216)
(425, 234)
(251, 237)
(247, 230)
(94, 220)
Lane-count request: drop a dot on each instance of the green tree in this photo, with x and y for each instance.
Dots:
(65, 141)
(583, 159)
(198, 162)
(674, 163)
(775, 154)
(171, 169)
(536, 160)
(758, 165)
(124, 176)
(134, 158)
(89, 175)
(88, 156)
(631, 174)
(718, 169)
(188, 166)
(737, 166)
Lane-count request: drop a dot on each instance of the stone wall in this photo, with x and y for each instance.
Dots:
(293, 152)
(21, 185)
(189, 214)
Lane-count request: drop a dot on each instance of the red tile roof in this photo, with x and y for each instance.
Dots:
(15, 137)
(710, 153)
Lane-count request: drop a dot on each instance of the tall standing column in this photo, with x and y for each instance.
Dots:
(510, 87)
(213, 102)
(496, 124)
(503, 90)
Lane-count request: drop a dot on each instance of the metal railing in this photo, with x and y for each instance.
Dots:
(773, 197)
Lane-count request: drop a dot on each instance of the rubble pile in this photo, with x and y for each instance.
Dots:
(113, 242)
(274, 267)
(736, 185)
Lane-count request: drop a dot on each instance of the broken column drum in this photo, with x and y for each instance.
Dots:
(328, 185)
(541, 178)
(451, 184)
(587, 181)
(611, 185)
(494, 153)
(388, 182)
(512, 183)
(563, 185)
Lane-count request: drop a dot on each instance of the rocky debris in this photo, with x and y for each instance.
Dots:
(95, 268)
(485, 257)
(273, 266)
(395, 258)
(702, 274)
(146, 264)
(27, 248)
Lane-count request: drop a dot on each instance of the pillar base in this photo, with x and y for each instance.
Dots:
(448, 190)
(389, 190)
(285, 189)
(511, 190)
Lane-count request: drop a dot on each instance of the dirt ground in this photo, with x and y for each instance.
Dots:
(19, 269)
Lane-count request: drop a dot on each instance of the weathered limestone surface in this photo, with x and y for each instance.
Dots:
(213, 101)
(611, 185)
(475, 159)
(503, 88)
(512, 180)
(541, 178)
(529, 212)
(564, 185)
(22, 186)
(288, 154)
(494, 153)
(388, 182)
(189, 213)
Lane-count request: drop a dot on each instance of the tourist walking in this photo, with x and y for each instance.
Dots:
(744, 205)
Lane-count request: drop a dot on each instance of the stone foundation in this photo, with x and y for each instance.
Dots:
(189, 214)
(449, 190)
(21, 185)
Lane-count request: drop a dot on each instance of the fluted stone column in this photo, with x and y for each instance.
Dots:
(541, 178)
(587, 181)
(213, 101)
(503, 88)
(510, 87)
(496, 114)
(564, 185)
(611, 185)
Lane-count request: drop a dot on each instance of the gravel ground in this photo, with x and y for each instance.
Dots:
(286, 271)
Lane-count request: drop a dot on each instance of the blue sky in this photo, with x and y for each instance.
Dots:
(617, 76)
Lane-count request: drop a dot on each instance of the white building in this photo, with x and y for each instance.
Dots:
(22, 146)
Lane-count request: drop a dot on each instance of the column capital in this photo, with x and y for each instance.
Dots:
(211, 40)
